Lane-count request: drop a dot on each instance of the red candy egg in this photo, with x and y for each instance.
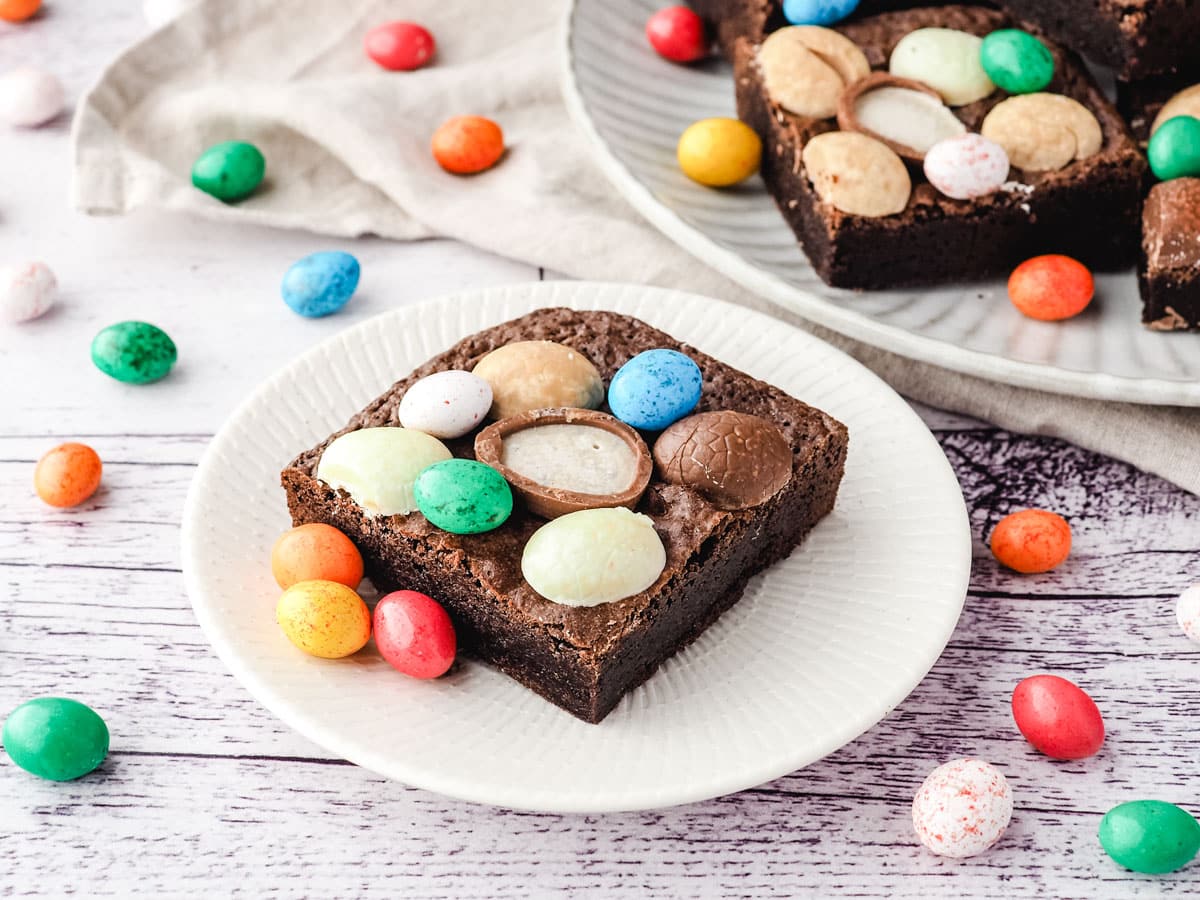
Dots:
(399, 46)
(1057, 717)
(677, 33)
(1051, 287)
(414, 634)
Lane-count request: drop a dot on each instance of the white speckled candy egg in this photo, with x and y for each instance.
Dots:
(30, 97)
(378, 467)
(1187, 612)
(594, 556)
(27, 291)
(962, 808)
(946, 59)
(967, 166)
(446, 404)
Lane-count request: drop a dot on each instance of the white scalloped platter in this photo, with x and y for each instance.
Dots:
(632, 106)
(820, 648)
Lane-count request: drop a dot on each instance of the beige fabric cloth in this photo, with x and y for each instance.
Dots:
(348, 154)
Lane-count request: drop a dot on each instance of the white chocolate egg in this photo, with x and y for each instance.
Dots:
(378, 467)
(30, 97)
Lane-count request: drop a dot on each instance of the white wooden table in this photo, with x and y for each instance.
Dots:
(206, 793)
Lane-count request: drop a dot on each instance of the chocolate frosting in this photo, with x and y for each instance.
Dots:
(1171, 225)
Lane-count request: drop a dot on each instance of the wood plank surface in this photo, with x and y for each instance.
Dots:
(205, 793)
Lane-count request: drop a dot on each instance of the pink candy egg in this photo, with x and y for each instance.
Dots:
(414, 634)
(30, 97)
(962, 808)
(1187, 612)
(966, 166)
(1057, 717)
(26, 291)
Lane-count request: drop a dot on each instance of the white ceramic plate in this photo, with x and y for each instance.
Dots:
(820, 648)
(633, 105)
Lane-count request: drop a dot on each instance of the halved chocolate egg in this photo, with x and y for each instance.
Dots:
(560, 461)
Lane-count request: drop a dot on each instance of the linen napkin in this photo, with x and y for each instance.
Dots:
(348, 154)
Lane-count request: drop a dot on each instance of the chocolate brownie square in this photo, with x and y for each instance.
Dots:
(1169, 274)
(584, 659)
(1088, 209)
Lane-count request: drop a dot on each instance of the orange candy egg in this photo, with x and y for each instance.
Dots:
(465, 145)
(67, 475)
(316, 552)
(1051, 288)
(18, 10)
(1031, 541)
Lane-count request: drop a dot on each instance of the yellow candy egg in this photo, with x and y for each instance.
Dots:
(324, 618)
(719, 152)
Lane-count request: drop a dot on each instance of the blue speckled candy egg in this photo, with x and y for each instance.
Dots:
(320, 284)
(654, 389)
(818, 12)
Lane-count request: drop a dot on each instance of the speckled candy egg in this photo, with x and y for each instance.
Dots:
(321, 283)
(229, 171)
(962, 808)
(463, 496)
(134, 352)
(446, 404)
(27, 291)
(818, 12)
(324, 618)
(967, 166)
(1174, 149)
(1187, 612)
(528, 375)
(378, 467)
(56, 738)
(1017, 61)
(654, 389)
(30, 97)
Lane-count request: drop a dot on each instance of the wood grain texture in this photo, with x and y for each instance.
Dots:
(207, 794)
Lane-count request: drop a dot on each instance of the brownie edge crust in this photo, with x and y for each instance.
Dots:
(584, 659)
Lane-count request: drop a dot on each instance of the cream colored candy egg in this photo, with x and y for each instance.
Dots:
(946, 59)
(805, 68)
(594, 556)
(857, 174)
(539, 375)
(378, 467)
(446, 404)
(1185, 103)
(26, 291)
(962, 808)
(1043, 132)
(30, 97)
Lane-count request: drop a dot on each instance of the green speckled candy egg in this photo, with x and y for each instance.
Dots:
(1150, 836)
(56, 738)
(1017, 61)
(463, 496)
(134, 352)
(1174, 149)
(230, 171)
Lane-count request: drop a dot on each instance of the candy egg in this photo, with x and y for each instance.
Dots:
(594, 556)
(230, 171)
(962, 808)
(719, 152)
(315, 552)
(818, 12)
(68, 475)
(446, 404)
(378, 467)
(30, 97)
(654, 389)
(966, 167)
(1031, 541)
(134, 352)
(1051, 288)
(324, 618)
(321, 283)
(55, 738)
(414, 634)
(1017, 61)
(1057, 717)
(1174, 149)
(465, 145)
(527, 375)
(399, 46)
(947, 60)
(677, 33)
(18, 10)
(1150, 836)
(1187, 612)
(463, 496)
(27, 291)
